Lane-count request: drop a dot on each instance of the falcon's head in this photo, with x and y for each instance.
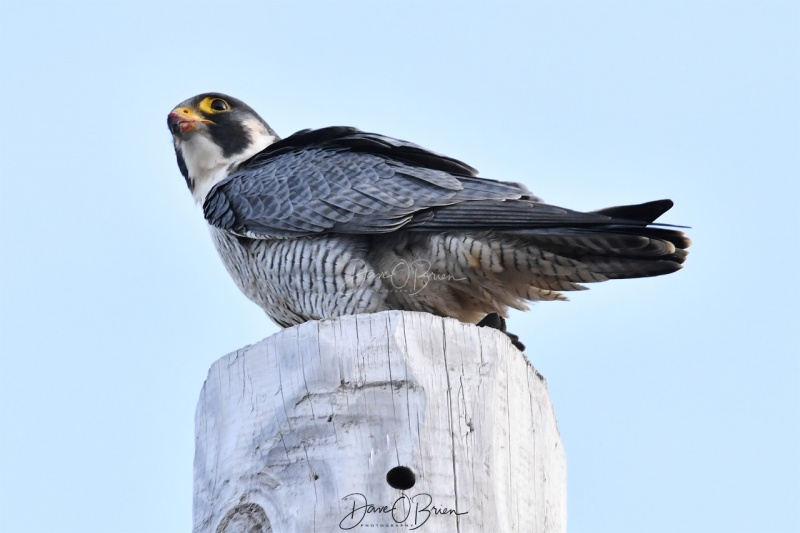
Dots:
(213, 133)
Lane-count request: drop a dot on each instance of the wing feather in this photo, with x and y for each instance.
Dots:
(342, 180)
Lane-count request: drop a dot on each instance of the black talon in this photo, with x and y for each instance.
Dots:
(495, 321)
(515, 341)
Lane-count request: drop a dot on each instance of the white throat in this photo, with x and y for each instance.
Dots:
(206, 164)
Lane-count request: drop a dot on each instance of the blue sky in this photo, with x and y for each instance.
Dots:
(677, 397)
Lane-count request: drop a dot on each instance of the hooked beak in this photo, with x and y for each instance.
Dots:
(183, 120)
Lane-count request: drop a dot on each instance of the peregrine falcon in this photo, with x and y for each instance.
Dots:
(337, 221)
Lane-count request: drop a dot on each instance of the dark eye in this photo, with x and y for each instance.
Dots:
(218, 104)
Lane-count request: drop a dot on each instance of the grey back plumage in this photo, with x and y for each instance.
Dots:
(334, 185)
(338, 221)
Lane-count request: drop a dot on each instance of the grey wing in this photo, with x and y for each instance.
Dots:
(321, 189)
(341, 180)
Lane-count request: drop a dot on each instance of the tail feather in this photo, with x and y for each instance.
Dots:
(647, 212)
(574, 242)
(497, 269)
(637, 253)
(625, 268)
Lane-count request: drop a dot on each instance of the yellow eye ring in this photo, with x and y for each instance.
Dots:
(212, 105)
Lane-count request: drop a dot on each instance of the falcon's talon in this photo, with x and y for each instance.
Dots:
(515, 341)
(494, 321)
(337, 221)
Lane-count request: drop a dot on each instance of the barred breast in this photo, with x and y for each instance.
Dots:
(309, 278)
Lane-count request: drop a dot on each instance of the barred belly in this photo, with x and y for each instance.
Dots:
(307, 278)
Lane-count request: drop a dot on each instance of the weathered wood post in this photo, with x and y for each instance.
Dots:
(397, 419)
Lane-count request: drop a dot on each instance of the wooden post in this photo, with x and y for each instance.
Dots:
(393, 420)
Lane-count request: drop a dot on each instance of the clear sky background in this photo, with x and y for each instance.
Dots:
(677, 397)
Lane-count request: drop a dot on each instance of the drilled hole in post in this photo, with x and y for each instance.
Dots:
(401, 477)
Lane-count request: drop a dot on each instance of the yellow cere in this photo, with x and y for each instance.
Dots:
(192, 114)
